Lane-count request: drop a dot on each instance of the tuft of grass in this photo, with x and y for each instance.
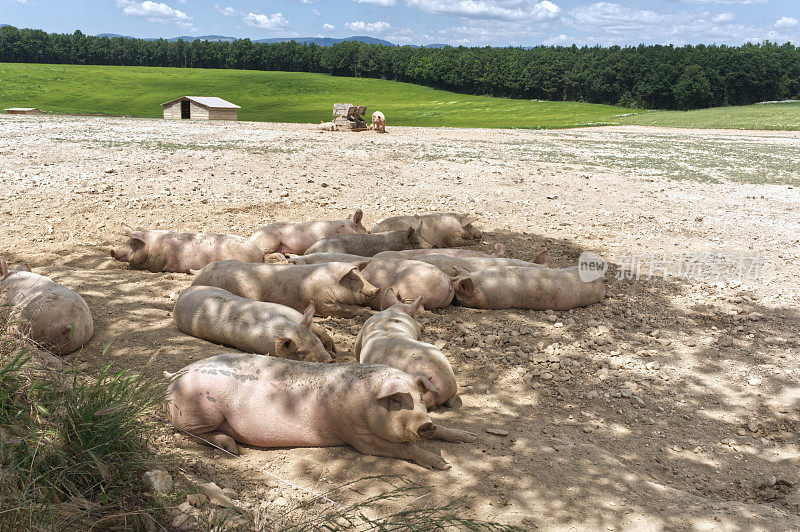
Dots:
(277, 96)
(72, 451)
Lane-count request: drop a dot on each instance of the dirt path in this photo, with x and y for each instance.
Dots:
(671, 405)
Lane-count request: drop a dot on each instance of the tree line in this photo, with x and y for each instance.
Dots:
(644, 76)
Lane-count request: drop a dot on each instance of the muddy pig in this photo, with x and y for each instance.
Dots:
(218, 316)
(317, 258)
(454, 266)
(336, 288)
(273, 402)
(440, 230)
(167, 251)
(296, 238)
(368, 244)
(392, 336)
(410, 279)
(52, 316)
(533, 288)
(412, 254)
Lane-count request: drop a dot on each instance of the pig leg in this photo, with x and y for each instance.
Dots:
(324, 337)
(453, 435)
(457, 241)
(220, 439)
(340, 310)
(407, 451)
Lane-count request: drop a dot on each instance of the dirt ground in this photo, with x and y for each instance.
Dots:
(673, 404)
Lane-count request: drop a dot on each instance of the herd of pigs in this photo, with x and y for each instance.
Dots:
(281, 390)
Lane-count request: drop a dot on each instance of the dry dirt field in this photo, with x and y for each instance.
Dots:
(671, 405)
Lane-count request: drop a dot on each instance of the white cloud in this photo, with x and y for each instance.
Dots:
(315, 12)
(273, 22)
(329, 27)
(155, 12)
(23, 2)
(227, 11)
(368, 27)
(786, 22)
(730, 2)
(384, 3)
(615, 17)
(558, 39)
(538, 11)
(724, 18)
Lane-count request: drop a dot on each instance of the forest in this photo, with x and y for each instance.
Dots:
(644, 76)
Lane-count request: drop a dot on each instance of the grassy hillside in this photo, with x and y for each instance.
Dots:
(762, 116)
(275, 96)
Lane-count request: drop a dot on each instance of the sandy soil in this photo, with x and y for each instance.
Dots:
(671, 405)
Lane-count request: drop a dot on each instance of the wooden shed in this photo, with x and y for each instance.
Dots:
(200, 108)
(24, 111)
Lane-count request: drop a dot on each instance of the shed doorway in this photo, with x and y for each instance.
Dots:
(185, 109)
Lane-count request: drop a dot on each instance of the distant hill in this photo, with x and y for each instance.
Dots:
(320, 41)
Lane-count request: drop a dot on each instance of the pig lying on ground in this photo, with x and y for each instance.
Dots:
(533, 288)
(335, 288)
(298, 237)
(166, 251)
(274, 402)
(368, 245)
(327, 126)
(378, 122)
(318, 258)
(442, 230)
(412, 254)
(218, 316)
(410, 279)
(391, 337)
(47, 313)
(454, 266)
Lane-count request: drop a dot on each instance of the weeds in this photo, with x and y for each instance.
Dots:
(72, 450)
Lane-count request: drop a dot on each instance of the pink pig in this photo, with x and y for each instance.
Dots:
(285, 237)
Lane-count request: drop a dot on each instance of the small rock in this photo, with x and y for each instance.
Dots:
(497, 432)
(196, 499)
(230, 493)
(216, 495)
(440, 343)
(654, 365)
(546, 376)
(741, 432)
(754, 381)
(159, 481)
(637, 401)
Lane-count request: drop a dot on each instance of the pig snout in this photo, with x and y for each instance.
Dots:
(426, 430)
(120, 254)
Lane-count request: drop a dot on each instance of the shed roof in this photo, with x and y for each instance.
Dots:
(211, 102)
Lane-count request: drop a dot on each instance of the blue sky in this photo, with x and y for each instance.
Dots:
(467, 22)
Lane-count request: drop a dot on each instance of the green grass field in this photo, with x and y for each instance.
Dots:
(276, 96)
(303, 98)
(775, 116)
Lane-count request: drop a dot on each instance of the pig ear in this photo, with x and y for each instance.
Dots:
(308, 316)
(541, 258)
(127, 229)
(362, 265)
(357, 216)
(25, 268)
(466, 220)
(466, 285)
(3, 269)
(409, 234)
(284, 347)
(415, 308)
(393, 386)
(425, 383)
(499, 250)
(388, 299)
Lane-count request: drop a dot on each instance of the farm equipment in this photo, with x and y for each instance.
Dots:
(349, 117)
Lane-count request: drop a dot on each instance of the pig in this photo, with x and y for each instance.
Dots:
(336, 288)
(237, 398)
(327, 126)
(287, 237)
(51, 315)
(412, 254)
(167, 251)
(410, 279)
(440, 230)
(532, 288)
(218, 316)
(317, 258)
(392, 337)
(368, 245)
(454, 266)
(378, 122)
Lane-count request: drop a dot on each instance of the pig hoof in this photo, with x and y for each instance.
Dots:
(453, 402)
(468, 437)
(226, 442)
